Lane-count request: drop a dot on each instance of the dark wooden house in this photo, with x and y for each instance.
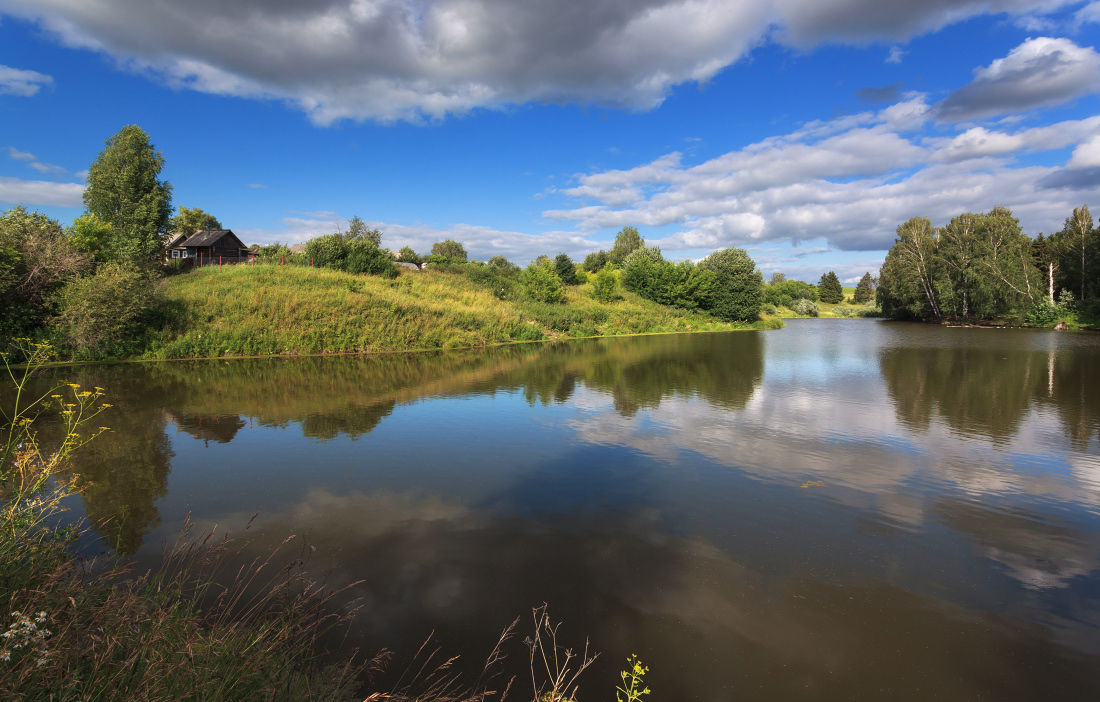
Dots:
(211, 247)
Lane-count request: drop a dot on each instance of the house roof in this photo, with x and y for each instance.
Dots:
(174, 239)
(208, 237)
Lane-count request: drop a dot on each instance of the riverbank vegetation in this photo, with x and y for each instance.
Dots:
(983, 267)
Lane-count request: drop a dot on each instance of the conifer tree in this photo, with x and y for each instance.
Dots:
(865, 289)
(829, 289)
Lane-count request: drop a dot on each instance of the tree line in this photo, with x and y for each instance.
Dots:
(983, 266)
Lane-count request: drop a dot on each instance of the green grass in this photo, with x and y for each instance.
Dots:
(272, 310)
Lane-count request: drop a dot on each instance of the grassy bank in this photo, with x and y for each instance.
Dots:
(271, 310)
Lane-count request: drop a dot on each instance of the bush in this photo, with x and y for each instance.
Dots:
(769, 308)
(352, 256)
(738, 287)
(407, 255)
(605, 285)
(805, 308)
(502, 264)
(843, 311)
(595, 261)
(449, 248)
(108, 313)
(542, 283)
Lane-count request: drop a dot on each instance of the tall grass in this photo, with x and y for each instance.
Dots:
(272, 310)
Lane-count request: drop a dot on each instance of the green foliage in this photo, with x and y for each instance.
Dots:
(785, 292)
(191, 220)
(605, 284)
(633, 687)
(359, 255)
(979, 266)
(626, 241)
(1075, 252)
(805, 308)
(738, 287)
(596, 261)
(124, 189)
(449, 248)
(108, 313)
(829, 289)
(407, 255)
(865, 289)
(567, 272)
(542, 283)
(358, 231)
(36, 259)
(503, 265)
(777, 278)
(91, 236)
(769, 308)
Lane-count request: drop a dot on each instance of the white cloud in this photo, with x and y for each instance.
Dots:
(850, 181)
(14, 81)
(896, 54)
(1086, 155)
(1088, 14)
(32, 162)
(1039, 72)
(15, 191)
(406, 59)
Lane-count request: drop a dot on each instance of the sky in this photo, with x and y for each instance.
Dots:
(804, 131)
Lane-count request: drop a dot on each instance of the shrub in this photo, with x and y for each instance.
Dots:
(358, 255)
(502, 264)
(843, 311)
(769, 308)
(407, 255)
(805, 308)
(644, 272)
(738, 286)
(605, 285)
(565, 269)
(542, 283)
(109, 312)
(595, 261)
(449, 248)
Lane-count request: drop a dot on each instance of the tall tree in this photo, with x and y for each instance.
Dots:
(124, 189)
(865, 289)
(777, 278)
(626, 241)
(829, 289)
(191, 220)
(738, 291)
(1077, 245)
(908, 280)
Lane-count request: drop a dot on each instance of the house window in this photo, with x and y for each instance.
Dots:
(175, 253)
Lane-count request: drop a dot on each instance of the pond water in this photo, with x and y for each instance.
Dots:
(843, 509)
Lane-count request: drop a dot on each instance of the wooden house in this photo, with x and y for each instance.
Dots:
(211, 247)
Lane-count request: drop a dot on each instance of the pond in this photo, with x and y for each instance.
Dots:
(843, 509)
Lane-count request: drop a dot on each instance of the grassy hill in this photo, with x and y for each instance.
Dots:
(271, 310)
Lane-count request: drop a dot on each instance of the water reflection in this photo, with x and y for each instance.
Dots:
(837, 507)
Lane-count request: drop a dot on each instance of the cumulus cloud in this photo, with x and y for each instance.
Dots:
(41, 193)
(849, 181)
(14, 81)
(1039, 72)
(407, 59)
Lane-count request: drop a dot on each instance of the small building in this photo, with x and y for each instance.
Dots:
(210, 246)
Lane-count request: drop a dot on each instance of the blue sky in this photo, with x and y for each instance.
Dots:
(804, 131)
